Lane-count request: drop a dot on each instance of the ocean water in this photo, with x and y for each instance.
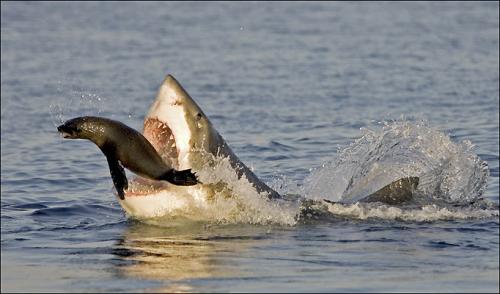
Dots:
(326, 100)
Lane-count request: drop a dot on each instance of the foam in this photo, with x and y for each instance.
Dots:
(426, 213)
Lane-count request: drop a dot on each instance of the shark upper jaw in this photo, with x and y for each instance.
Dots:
(176, 115)
(166, 125)
(177, 129)
(167, 129)
(174, 124)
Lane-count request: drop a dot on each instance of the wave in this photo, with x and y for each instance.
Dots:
(425, 213)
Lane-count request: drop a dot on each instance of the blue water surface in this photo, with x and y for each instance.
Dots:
(287, 84)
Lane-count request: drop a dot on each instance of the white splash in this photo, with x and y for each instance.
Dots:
(74, 102)
(449, 172)
(245, 204)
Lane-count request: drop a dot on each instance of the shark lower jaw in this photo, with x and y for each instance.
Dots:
(139, 186)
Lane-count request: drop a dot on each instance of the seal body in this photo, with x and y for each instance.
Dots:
(124, 146)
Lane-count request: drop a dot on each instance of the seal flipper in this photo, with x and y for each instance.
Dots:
(118, 176)
(180, 177)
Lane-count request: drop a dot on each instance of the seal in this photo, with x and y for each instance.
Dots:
(125, 146)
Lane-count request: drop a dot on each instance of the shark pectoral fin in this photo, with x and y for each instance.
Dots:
(118, 176)
(180, 177)
(397, 192)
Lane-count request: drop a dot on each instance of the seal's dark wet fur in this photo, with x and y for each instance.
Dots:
(124, 146)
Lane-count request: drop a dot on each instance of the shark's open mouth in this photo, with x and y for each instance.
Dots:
(161, 137)
(185, 139)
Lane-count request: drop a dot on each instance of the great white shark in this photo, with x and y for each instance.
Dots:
(185, 139)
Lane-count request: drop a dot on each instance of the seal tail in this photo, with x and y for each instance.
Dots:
(180, 177)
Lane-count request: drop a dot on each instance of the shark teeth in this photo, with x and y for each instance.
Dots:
(162, 139)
